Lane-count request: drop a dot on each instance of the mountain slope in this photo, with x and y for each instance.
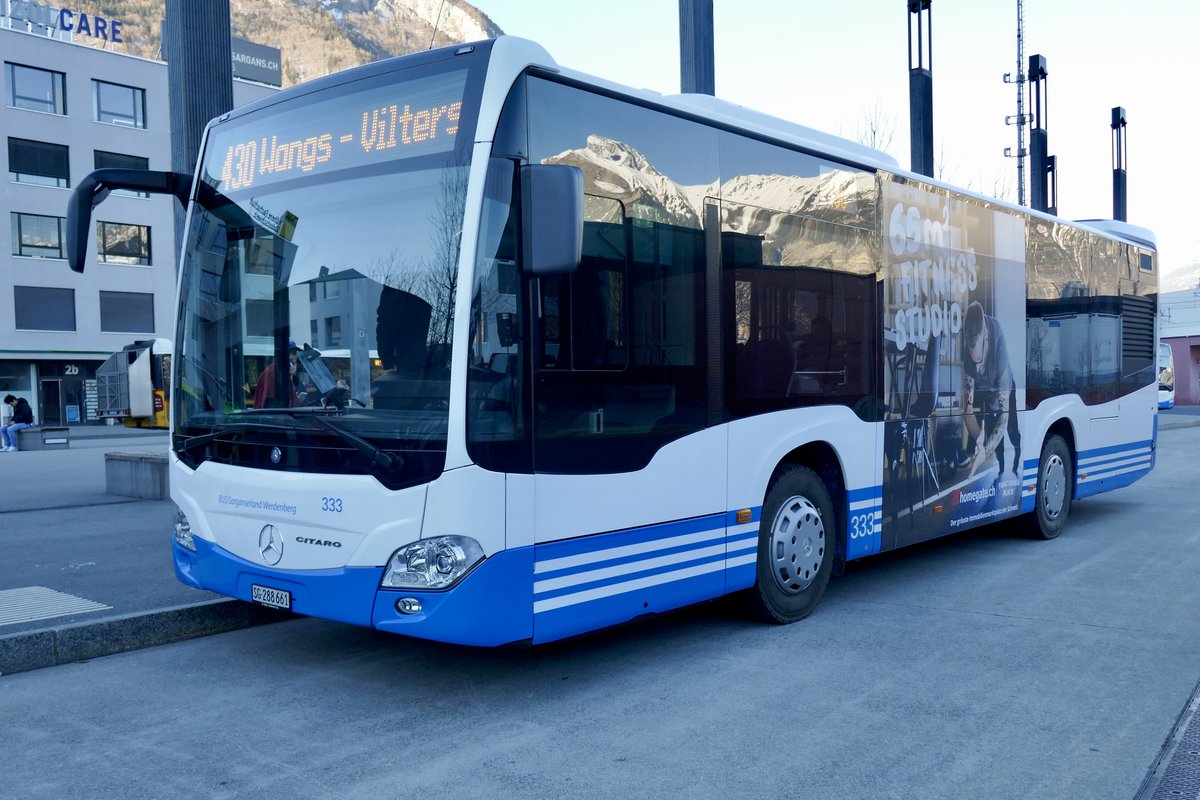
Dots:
(317, 37)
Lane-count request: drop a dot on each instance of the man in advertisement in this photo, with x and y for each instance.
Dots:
(954, 299)
(989, 391)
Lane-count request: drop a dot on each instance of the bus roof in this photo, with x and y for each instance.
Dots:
(515, 53)
(511, 55)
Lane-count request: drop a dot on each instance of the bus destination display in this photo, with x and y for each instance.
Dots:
(414, 118)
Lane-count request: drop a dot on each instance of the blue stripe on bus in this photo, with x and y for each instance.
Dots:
(1090, 488)
(1108, 463)
(718, 538)
(1116, 448)
(615, 585)
(564, 548)
(625, 577)
(740, 576)
(866, 493)
(621, 607)
(1143, 447)
(1105, 467)
(858, 543)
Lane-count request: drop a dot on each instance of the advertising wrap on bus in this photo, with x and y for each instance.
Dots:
(954, 362)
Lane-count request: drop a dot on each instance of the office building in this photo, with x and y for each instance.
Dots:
(68, 108)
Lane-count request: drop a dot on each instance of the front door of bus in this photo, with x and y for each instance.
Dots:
(630, 480)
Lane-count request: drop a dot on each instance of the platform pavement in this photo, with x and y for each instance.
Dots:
(60, 530)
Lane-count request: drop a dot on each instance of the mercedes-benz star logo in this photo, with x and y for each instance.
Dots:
(276, 454)
(270, 544)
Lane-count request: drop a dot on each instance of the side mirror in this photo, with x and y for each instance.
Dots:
(92, 190)
(551, 219)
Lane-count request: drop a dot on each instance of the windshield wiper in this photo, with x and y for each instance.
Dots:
(389, 461)
(237, 427)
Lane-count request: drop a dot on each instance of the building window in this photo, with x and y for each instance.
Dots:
(126, 312)
(260, 318)
(106, 160)
(35, 89)
(119, 243)
(333, 331)
(37, 236)
(42, 163)
(119, 105)
(41, 308)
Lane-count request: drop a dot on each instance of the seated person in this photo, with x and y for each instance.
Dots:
(264, 389)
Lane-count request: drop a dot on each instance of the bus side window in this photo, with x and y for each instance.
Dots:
(622, 342)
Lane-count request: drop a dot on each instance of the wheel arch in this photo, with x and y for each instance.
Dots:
(1064, 427)
(822, 458)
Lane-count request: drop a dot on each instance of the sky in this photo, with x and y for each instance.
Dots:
(828, 64)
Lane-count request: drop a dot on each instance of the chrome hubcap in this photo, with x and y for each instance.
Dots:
(1054, 486)
(797, 544)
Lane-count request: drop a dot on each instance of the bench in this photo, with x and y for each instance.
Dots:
(136, 475)
(43, 438)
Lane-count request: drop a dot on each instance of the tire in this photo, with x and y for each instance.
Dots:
(1055, 485)
(797, 543)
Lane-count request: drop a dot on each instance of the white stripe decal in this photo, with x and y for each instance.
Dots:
(748, 527)
(741, 560)
(565, 600)
(861, 504)
(565, 562)
(1135, 468)
(1125, 462)
(1141, 451)
(550, 584)
(735, 545)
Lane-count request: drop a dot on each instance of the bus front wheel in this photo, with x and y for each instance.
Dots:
(1055, 484)
(796, 546)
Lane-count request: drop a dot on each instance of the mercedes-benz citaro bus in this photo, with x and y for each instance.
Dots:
(475, 348)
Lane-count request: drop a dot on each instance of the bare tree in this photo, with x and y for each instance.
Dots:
(440, 276)
(941, 170)
(876, 129)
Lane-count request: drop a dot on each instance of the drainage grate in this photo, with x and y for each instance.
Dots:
(1177, 774)
(37, 602)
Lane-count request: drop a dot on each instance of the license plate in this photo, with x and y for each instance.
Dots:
(275, 598)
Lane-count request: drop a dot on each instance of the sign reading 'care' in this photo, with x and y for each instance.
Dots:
(52, 20)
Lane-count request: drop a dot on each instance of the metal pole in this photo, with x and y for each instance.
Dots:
(920, 87)
(697, 71)
(1039, 145)
(199, 78)
(1120, 177)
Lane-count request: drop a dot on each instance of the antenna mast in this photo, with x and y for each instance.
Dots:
(1019, 119)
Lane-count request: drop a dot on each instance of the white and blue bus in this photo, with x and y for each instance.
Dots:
(1166, 376)
(561, 354)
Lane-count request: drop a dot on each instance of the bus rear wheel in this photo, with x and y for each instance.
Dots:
(796, 546)
(1052, 504)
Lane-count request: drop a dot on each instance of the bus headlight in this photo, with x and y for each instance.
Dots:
(431, 563)
(183, 532)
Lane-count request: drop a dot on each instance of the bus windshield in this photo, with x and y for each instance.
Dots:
(326, 236)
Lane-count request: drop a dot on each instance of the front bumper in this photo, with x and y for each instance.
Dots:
(492, 605)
